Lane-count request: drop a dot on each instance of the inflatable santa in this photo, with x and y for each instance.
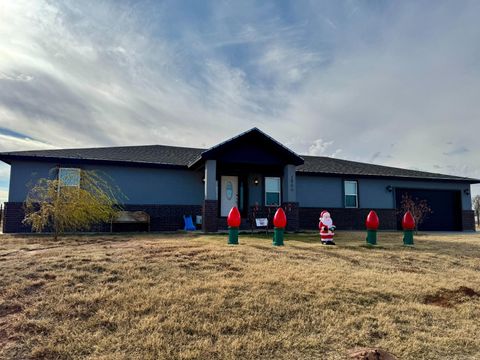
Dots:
(326, 228)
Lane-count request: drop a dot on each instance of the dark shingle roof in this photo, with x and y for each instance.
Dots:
(146, 154)
(332, 166)
(162, 155)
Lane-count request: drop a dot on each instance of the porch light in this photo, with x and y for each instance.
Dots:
(389, 188)
(466, 192)
(203, 180)
(255, 181)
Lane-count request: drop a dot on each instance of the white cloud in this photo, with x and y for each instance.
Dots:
(4, 171)
(16, 77)
(361, 76)
(319, 147)
(12, 143)
(3, 195)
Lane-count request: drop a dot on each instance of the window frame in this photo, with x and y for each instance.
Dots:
(357, 203)
(279, 192)
(78, 170)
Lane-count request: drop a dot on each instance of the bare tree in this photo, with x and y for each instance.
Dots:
(53, 205)
(420, 209)
(476, 208)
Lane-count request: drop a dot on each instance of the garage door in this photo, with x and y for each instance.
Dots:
(445, 204)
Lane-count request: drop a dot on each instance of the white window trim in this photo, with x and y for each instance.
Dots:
(68, 168)
(279, 189)
(345, 194)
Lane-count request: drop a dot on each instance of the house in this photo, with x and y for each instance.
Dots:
(247, 170)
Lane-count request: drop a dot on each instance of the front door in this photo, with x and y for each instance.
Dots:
(229, 194)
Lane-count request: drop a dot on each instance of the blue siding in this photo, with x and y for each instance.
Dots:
(184, 187)
(24, 173)
(317, 191)
(373, 192)
(140, 185)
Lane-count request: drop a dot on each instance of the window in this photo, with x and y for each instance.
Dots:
(69, 177)
(351, 194)
(272, 191)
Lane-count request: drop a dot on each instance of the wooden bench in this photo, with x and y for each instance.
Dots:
(131, 217)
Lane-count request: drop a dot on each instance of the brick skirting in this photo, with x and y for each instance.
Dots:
(170, 217)
(162, 217)
(167, 217)
(222, 224)
(468, 220)
(347, 219)
(291, 210)
(12, 218)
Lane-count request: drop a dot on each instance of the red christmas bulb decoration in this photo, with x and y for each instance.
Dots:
(372, 222)
(408, 222)
(234, 219)
(280, 219)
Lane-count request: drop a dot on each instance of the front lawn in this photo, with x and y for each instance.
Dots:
(186, 296)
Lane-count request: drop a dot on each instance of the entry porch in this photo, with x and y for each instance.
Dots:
(252, 172)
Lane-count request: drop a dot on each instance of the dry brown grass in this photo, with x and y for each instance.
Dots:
(193, 297)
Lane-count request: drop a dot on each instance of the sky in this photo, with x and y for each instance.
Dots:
(395, 83)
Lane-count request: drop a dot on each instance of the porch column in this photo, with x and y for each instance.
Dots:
(289, 201)
(210, 203)
(289, 184)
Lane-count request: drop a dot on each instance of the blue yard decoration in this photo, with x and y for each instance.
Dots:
(188, 223)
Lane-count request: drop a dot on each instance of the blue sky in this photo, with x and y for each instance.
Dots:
(394, 83)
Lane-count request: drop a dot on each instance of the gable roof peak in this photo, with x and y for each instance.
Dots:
(292, 156)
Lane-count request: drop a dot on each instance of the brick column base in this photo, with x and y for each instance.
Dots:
(292, 212)
(210, 216)
(468, 220)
